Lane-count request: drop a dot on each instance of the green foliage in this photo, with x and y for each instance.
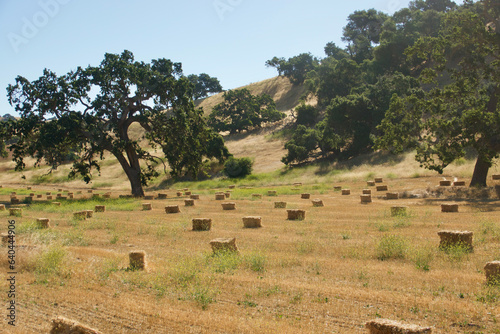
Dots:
(392, 247)
(295, 68)
(204, 85)
(242, 111)
(302, 145)
(306, 114)
(88, 112)
(238, 167)
(52, 261)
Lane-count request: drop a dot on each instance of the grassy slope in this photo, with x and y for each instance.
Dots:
(261, 145)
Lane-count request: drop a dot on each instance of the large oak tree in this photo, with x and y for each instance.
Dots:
(89, 111)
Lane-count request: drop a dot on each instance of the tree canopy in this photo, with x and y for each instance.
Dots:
(89, 111)
(241, 111)
(204, 85)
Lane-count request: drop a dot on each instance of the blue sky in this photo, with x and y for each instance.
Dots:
(228, 39)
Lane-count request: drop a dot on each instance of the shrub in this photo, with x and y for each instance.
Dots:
(238, 167)
(392, 247)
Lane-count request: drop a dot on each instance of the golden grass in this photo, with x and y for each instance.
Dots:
(321, 274)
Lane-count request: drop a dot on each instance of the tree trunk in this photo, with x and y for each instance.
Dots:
(133, 174)
(480, 173)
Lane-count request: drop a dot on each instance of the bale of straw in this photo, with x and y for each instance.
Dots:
(2, 207)
(194, 196)
(495, 176)
(346, 192)
(297, 184)
(39, 196)
(80, 215)
(296, 214)
(49, 197)
(459, 184)
(96, 195)
(147, 206)
(28, 199)
(317, 203)
(137, 260)
(227, 194)
(224, 245)
(202, 224)
(232, 186)
(189, 202)
(272, 193)
(43, 222)
(58, 195)
(382, 188)
(15, 200)
(89, 213)
(17, 212)
(100, 208)
(456, 238)
(305, 196)
(252, 222)
(48, 193)
(29, 188)
(5, 238)
(385, 326)
(337, 188)
(365, 199)
(179, 194)
(220, 197)
(162, 196)
(279, 205)
(90, 191)
(256, 196)
(71, 195)
(492, 272)
(187, 193)
(56, 203)
(61, 325)
(379, 180)
(449, 207)
(444, 183)
(149, 198)
(398, 210)
(60, 189)
(172, 209)
(392, 195)
(32, 194)
(185, 189)
(63, 197)
(228, 206)
(367, 192)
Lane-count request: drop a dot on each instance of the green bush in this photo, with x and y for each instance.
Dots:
(238, 167)
(392, 247)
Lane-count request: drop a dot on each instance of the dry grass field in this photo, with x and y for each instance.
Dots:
(344, 264)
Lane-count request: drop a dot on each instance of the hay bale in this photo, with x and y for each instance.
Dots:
(39, 196)
(28, 199)
(49, 197)
(256, 196)
(229, 206)
(194, 196)
(61, 325)
(317, 203)
(179, 194)
(63, 197)
(272, 193)
(137, 260)
(80, 215)
(90, 191)
(382, 188)
(444, 183)
(5, 238)
(15, 200)
(346, 192)
(202, 224)
(60, 189)
(365, 199)
(492, 272)
(29, 188)
(252, 222)
(56, 203)
(89, 213)
(449, 207)
(32, 194)
(187, 193)
(220, 197)
(172, 209)
(48, 193)
(459, 184)
(185, 189)
(100, 208)
(337, 188)
(16, 212)
(189, 202)
(385, 326)
(96, 196)
(305, 196)
(399, 211)
(296, 214)
(456, 239)
(162, 196)
(297, 184)
(147, 206)
(232, 186)
(71, 195)
(392, 195)
(367, 192)
(379, 180)
(2, 207)
(43, 222)
(227, 194)
(149, 198)
(58, 195)
(279, 205)
(224, 245)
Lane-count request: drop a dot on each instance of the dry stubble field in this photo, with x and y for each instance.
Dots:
(344, 264)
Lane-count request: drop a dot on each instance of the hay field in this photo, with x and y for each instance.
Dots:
(344, 264)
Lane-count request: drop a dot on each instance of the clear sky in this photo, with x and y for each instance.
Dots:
(228, 39)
